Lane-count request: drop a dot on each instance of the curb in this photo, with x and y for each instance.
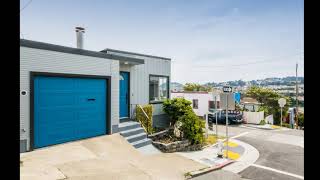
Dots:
(207, 170)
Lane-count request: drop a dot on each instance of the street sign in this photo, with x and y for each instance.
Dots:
(282, 102)
(231, 101)
(237, 97)
(227, 89)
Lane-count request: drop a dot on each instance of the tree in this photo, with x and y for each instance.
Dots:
(269, 101)
(196, 87)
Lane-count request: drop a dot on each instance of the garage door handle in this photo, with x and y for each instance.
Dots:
(91, 99)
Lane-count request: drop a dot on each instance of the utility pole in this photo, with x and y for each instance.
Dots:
(297, 93)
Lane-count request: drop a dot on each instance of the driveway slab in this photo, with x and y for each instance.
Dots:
(104, 157)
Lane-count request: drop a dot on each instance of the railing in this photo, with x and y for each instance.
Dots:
(148, 119)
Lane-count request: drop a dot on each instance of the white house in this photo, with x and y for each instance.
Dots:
(68, 94)
(201, 101)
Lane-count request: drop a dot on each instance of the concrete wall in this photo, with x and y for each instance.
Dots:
(56, 62)
(253, 117)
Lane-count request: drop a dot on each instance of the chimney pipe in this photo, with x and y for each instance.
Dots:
(80, 31)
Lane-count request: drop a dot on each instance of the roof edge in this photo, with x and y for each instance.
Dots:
(70, 50)
(133, 53)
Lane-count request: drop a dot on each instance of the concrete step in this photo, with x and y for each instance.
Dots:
(136, 137)
(132, 132)
(128, 125)
(142, 143)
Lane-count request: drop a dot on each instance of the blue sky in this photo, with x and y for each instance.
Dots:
(207, 40)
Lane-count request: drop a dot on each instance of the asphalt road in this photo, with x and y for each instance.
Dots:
(281, 155)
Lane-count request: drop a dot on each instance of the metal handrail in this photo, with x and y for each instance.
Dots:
(145, 114)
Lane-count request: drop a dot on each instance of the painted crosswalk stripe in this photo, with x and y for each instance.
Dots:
(278, 171)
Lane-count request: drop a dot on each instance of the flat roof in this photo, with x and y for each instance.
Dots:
(83, 52)
(190, 92)
(132, 53)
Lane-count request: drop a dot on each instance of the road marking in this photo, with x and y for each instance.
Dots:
(242, 134)
(278, 171)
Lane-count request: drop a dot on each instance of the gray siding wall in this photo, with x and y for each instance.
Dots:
(139, 82)
(56, 62)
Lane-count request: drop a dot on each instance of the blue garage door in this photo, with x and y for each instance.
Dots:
(67, 109)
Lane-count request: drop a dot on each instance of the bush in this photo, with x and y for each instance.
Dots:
(179, 109)
(142, 118)
(301, 120)
(286, 125)
(262, 122)
(192, 127)
(176, 108)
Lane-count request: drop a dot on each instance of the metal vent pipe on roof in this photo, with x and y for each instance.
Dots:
(80, 31)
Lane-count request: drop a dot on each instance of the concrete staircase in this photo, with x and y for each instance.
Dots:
(134, 134)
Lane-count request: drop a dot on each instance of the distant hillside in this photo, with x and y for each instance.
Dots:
(290, 80)
(176, 86)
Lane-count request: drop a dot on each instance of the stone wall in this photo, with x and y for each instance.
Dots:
(178, 146)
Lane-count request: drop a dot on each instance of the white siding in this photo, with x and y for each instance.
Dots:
(203, 100)
(139, 74)
(56, 62)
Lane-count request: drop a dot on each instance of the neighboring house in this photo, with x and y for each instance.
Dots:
(69, 93)
(250, 104)
(201, 101)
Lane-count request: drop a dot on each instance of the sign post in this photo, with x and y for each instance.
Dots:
(215, 107)
(281, 102)
(207, 125)
(228, 91)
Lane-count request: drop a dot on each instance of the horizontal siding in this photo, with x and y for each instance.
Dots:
(139, 82)
(56, 62)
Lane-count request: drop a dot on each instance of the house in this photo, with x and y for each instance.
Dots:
(68, 94)
(250, 104)
(201, 101)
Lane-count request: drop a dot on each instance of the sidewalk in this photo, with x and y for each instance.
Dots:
(209, 155)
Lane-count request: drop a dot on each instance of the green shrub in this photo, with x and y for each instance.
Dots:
(286, 125)
(262, 122)
(301, 119)
(176, 108)
(143, 119)
(179, 109)
(192, 127)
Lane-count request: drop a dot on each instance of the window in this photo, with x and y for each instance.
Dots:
(195, 103)
(212, 105)
(158, 88)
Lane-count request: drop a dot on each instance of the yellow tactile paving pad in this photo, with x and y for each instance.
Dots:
(231, 155)
(230, 144)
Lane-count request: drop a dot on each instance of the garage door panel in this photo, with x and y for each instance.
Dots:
(54, 99)
(47, 83)
(64, 109)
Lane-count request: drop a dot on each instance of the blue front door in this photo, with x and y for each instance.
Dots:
(67, 109)
(124, 94)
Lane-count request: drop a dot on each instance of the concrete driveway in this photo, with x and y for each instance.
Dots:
(104, 157)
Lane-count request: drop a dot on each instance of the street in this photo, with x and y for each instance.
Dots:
(281, 154)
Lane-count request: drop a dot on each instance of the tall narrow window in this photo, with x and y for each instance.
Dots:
(195, 103)
(158, 88)
(211, 105)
